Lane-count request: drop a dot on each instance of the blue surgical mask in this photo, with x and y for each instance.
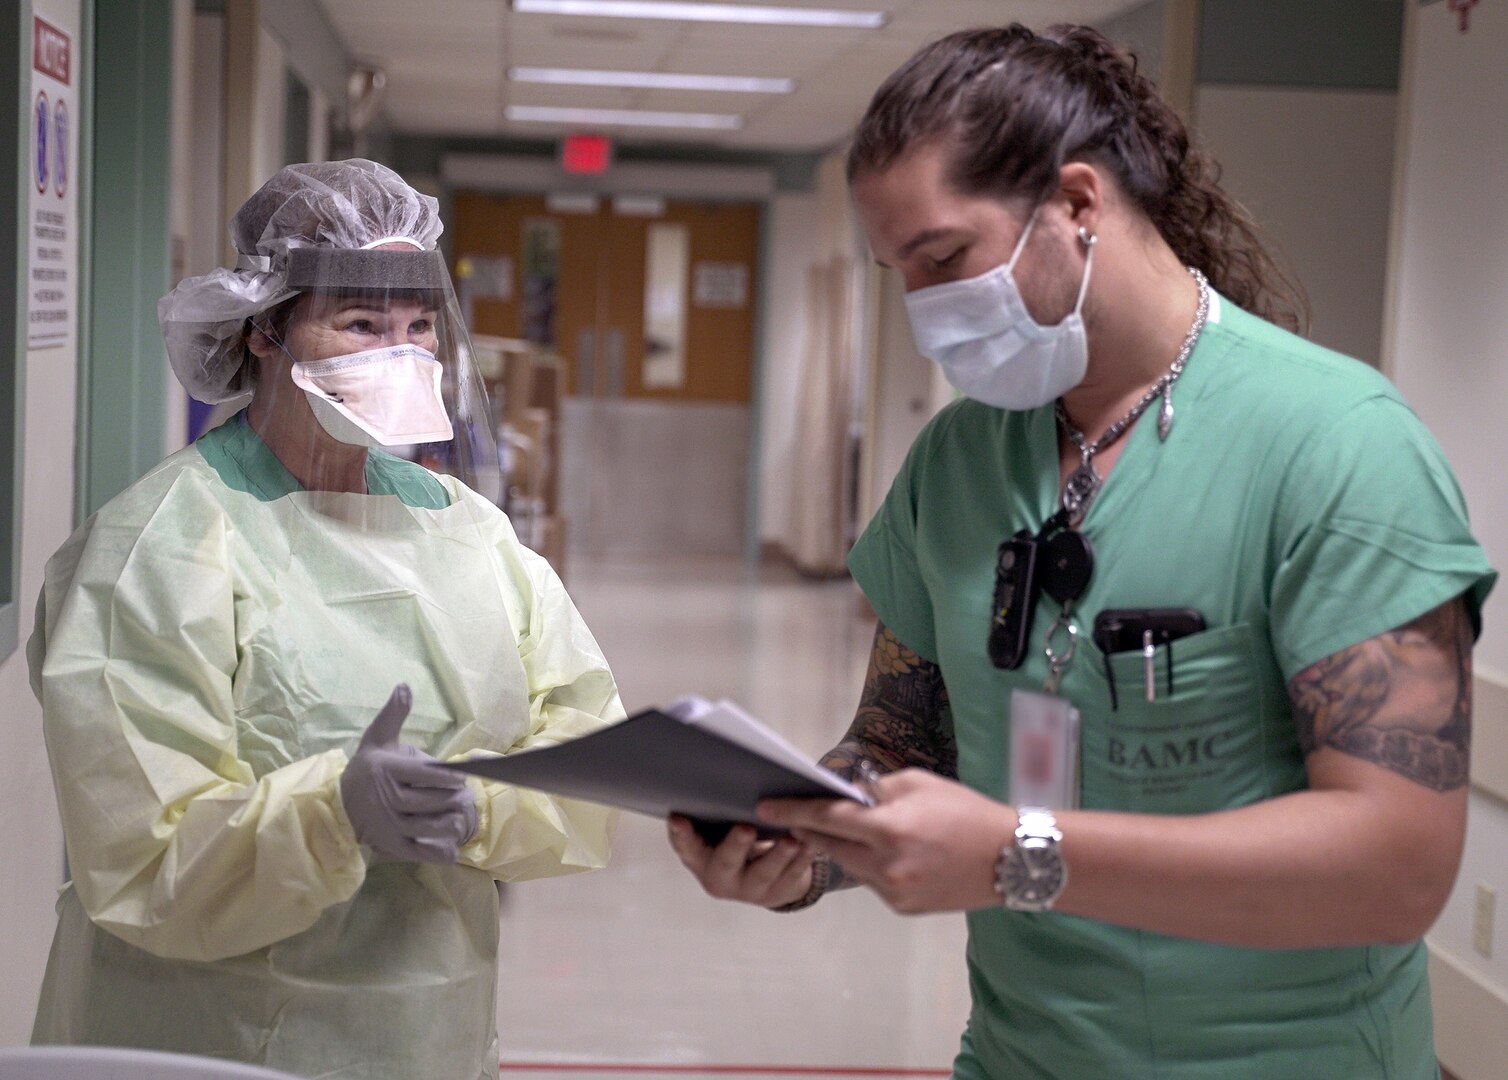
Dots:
(990, 347)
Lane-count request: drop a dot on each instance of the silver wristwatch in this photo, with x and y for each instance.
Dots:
(1031, 873)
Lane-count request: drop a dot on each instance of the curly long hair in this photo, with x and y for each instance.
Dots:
(1014, 106)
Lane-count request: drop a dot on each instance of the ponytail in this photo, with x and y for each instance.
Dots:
(1015, 106)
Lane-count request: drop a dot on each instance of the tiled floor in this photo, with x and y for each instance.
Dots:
(633, 971)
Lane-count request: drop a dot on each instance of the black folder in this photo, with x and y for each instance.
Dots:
(657, 764)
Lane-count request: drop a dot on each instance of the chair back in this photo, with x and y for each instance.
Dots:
(116, 1063)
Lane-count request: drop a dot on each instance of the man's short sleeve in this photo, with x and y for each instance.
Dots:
(884, 561)
(1371, 533)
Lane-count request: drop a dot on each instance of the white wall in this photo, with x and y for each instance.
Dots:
(319, 126)
(307, 45)
(30, 835)
(1448, 340)
(271, 97)
(1140, 28)
(1450, 321)
(1486, 842)
(1315, 168)
(794, 240)
(203, 198)
(903, 396)
(180, 209)
(313, 49)
(184, 160)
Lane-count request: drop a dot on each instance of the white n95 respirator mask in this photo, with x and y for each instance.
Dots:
(989, 346)
(378, 397)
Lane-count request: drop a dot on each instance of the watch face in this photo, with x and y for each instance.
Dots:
(1035, 874)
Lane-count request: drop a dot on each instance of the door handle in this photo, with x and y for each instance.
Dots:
(615, 358)
(586, 363)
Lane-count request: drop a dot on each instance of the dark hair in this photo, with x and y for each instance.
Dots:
(276, 320)
(1015, 106)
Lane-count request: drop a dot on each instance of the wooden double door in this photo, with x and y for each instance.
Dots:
(650, 305)
(585, 275)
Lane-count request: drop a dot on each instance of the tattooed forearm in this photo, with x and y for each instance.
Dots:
(903, 720)
(1401, 700)
(903, 717)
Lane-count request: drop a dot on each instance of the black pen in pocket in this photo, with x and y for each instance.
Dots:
(1143, 630)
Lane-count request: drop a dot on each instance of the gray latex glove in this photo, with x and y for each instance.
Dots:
(400, 805)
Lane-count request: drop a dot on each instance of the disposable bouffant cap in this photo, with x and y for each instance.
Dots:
(305, 228)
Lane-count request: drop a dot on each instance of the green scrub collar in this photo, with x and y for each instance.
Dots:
(245, 463)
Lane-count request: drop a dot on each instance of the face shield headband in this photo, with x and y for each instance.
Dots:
(311, 269)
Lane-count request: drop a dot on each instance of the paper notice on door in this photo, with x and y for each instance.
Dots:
(721, 285)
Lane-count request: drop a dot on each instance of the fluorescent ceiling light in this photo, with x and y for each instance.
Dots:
(651, 80)
(543, 114)
(701, 12)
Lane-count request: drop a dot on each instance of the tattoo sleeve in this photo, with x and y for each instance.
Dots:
(903, 720)
(1401, 700)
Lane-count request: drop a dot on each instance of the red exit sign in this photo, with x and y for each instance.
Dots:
(586, 155)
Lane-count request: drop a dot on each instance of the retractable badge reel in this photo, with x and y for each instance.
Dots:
(1044, 727)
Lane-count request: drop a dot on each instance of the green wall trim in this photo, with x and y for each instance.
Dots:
(15, 126)
(85, 328)
(125, 403)
(1340, 44)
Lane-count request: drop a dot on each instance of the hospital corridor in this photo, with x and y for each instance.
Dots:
(729, 990)
(693, 539)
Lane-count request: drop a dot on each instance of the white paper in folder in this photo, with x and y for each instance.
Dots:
(709, 761)
(732, 723)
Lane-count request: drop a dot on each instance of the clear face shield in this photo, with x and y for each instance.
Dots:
(371, 356)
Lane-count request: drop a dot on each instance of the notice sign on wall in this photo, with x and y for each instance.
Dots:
(52, 285)
(491, 276)
(721, 285)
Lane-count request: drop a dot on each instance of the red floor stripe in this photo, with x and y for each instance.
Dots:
(719, 1070)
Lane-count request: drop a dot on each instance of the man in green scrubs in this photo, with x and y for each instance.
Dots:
(1263, 810)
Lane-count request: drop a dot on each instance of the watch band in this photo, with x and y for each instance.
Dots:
(1031, 874)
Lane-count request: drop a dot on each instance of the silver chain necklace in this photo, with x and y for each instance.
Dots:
(1084, 483)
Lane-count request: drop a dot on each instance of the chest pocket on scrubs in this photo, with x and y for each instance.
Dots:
(1216, 741)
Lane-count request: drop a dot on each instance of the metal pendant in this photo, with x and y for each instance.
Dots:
(1165, 415)
(1082, 485)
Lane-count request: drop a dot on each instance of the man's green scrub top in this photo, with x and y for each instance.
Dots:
(1301, 507)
